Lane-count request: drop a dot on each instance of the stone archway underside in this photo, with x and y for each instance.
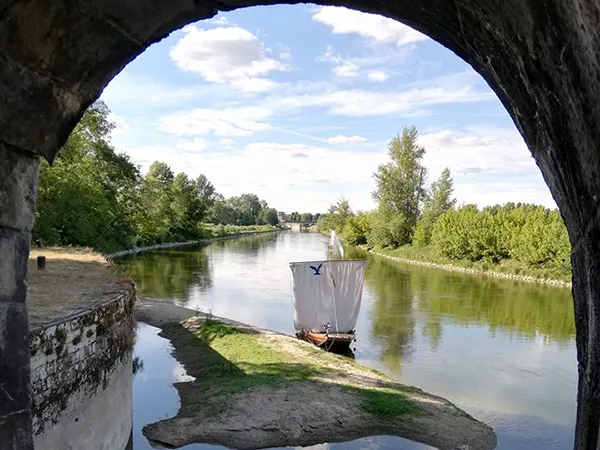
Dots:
(541, 57)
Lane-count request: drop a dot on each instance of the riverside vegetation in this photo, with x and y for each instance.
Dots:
(95, 197)
(417, 222)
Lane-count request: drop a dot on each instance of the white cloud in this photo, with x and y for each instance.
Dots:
(122, 128)
(377, 75)
(477, 151)
(218, 20)
(489, 165)
(192, 145)
(339, 139)
(362, 103)
(343, 67)
(314, 176)
(254, 84)
(145, 155)
(226, 55)
(346, 69)
(223, 122)
(279, 165)
(148, 94)
(381, 29)
(525, 189)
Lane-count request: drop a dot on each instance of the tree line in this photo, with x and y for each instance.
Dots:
(95, 196)
(301, 217)
(409, 213)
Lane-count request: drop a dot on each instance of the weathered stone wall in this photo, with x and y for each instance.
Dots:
(81, 377)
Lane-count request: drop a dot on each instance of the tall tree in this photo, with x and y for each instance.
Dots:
(206, 195)
(400, 191)
(268, 216)
(439, 200)
(87, 197)
(155, 217)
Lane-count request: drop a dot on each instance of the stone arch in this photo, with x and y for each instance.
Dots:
(541, 58)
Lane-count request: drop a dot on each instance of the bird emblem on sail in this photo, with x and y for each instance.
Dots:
(317, 269)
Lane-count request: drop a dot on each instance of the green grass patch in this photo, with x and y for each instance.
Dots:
(384, 402)
(217, 352)
(226, 360)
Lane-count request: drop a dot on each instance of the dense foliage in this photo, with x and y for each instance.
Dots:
(412, 215)
(525, 233)
(94, 196)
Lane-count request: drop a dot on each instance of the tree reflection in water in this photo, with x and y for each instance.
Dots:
(407, 298)
(169, 273)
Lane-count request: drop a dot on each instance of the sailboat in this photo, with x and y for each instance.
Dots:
(327, 297)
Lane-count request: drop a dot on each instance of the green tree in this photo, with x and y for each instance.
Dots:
(527, 233)
(221, 211)
(307, 217)
(438, 201)
(543, 240)
(268, 216)
(400, 191)
(87, 197)
(357, 229)
(186, 211)
(248, 207)
(206, 195)
(155, 218)
(337, 217)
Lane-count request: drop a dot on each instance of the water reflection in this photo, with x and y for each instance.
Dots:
(170, 273)
(504, 351)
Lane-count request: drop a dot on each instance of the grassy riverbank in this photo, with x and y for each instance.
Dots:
(256, 388)
(210, 230)
(212, 234)
(238, 360)
(509, 268)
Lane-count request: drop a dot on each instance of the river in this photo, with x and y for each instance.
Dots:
(503, 351)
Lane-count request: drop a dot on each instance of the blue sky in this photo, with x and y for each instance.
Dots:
(298, 103)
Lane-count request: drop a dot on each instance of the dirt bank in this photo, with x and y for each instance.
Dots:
(74, 280)
(256, 388)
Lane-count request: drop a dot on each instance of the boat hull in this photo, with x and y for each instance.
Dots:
(336, 342)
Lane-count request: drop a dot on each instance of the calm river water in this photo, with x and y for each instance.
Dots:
(503, 351)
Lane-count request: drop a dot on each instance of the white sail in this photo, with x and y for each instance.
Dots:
(327, 292)
(335, 243)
